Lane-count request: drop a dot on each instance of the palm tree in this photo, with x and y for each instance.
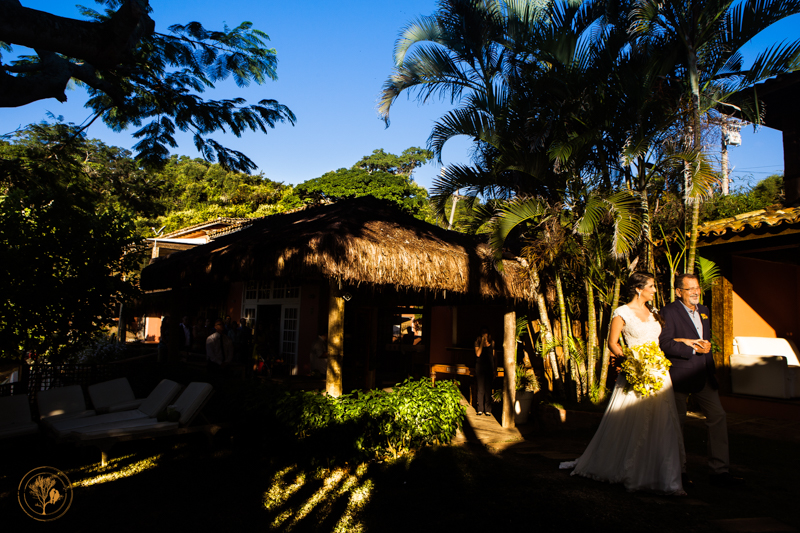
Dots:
(703, 40)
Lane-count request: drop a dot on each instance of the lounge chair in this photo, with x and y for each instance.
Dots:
(188, 405)
(112, 396)
(62, 403)
(15, 416)
(156, 402)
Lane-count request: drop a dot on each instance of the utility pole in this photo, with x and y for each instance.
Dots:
(730, 135)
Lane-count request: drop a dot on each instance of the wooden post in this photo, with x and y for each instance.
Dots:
(333, 381)
(722, 329)
(509, 367)
(371, 354)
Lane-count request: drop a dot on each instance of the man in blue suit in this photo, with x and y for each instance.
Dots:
(686, 341)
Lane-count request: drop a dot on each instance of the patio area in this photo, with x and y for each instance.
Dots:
(489, 479)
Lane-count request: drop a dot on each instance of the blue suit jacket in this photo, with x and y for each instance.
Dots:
(689, 371)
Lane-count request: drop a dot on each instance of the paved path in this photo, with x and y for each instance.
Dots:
(551, 436)
(486, 431)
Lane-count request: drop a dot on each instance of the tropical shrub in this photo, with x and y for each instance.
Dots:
(102, 349)
(373, 423)
(765, 193)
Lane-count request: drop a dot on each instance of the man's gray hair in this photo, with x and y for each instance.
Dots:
(681, 277)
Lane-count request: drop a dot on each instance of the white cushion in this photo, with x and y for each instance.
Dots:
(125, 406)
(61, 401)
(109, 393)
(767, 346)
(130, 427)
(64, 427)
(187, 404)
(190, 400)
(157, 400)
(15, 416)
(150, 407)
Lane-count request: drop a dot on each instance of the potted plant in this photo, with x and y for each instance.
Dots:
(526, 386)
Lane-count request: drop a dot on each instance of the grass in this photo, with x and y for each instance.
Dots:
(262, 485)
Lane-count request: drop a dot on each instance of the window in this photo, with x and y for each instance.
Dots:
(250, 291)
(250, 316)
(291, 323)
(270, 290)
(263, 290)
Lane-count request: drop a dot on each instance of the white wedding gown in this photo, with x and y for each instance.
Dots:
(639, 441)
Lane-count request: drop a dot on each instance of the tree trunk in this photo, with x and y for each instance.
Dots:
(591, 337)
(646, 225)
(691, 255)
(547, 333)
(565, 337)
(606, 351)
(121, 329)
(692, 201)
(509, 367)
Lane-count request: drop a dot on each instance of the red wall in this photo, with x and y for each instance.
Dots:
(234, 301)
(441, 335)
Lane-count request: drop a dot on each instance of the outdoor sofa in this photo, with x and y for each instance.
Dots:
(764, 366)
(187, 406)
(15, 416)
(148, 408)
(62, 403)
(112, 396)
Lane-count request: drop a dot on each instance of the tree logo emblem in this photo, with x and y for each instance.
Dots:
(45, 493)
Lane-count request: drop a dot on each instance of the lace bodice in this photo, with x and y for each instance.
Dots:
(635, 331)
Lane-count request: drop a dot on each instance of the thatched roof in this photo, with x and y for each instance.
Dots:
(359, 241)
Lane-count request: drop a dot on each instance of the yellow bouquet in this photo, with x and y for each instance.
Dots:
(645, 368)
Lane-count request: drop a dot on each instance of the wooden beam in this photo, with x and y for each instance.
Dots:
(722, 329)
(333, 380)
(509, 367)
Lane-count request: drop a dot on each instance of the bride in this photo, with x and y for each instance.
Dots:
(639, 441)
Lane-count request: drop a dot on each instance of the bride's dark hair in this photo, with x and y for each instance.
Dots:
(637, 282)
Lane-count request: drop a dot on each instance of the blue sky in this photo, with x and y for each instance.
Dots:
(333, 60)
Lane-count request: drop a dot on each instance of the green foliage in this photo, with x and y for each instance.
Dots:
(382, 175)
(765, 193)
(69, 247)
(404, 164)
(374, 423)
(138, 77)
(196, 191)
(526, 380)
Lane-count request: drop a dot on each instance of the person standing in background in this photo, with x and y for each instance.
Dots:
(484, 372)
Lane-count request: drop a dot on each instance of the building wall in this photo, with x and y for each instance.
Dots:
(468, 319)
(152, 328)
(765, 298)
(313, 320)
(441, 335)
(233, 304)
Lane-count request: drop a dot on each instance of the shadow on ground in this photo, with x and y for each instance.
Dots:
(182, 484)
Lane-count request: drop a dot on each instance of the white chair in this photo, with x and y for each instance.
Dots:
(15, 416)
(764, 366)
